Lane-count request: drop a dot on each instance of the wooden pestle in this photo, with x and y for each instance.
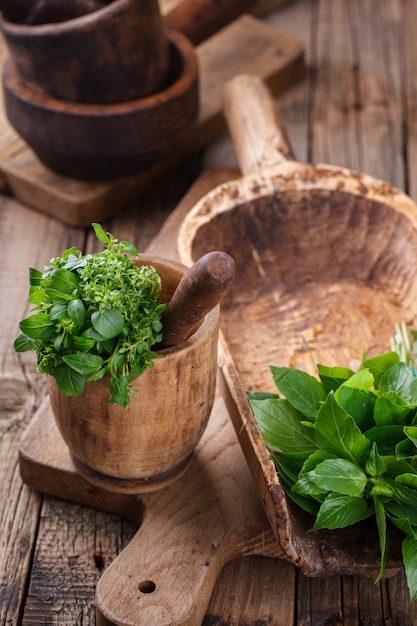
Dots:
(200, 290)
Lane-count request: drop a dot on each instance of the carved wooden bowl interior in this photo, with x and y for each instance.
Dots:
(325, 268)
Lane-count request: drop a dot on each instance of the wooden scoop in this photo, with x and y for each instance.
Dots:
(325, 268)
(200, 290)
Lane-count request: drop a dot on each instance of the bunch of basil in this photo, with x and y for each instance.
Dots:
(345, 446)
(94, 315)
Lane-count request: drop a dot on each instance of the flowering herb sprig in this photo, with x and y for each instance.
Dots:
(94, 315)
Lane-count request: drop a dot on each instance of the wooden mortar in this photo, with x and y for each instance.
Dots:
(151, 443)
(116, 53)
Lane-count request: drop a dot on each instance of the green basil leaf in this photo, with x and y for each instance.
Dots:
(375, 465)
(287, 472)
(339, 511)
(109, 324)
(100, 233)
(405, 449)
(82, 344)
(58, 310)
(76, 311)
(58, 296)
(38, 326)
(35, 277)
(303, 391)
(385, 437)
(359, 404)
(282, 428)
(333, 377)
(119, 391)
(69, 381)
(413, 393)
(341, 476)
(402, 493)
(337, 432)
(395, 467)
(400, 511)
(380, 364)
(390, 408)
(64, 280)
(411, 432)
(398, 379)
(304, 485)
(22, 343)
(37, 296)
(409, 552)
(381, 523)
(83, 363)
(408, 479)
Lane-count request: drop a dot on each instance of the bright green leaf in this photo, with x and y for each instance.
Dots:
(83, 363)
(303, 391)
(119, 391)
(100, 233)
(398, 379)
(379, 364)
(333, 377)
(69, 381)
(385, 437)
(409, 552)
(375, 465)
(339, 511)
(381, 523)
(22, 343)
(37, 326)
(282, 428)
(108, 324)
(337, 432)
(64, 280)
(35, 277)
(390, 408)
(341, 476)
(76, 311)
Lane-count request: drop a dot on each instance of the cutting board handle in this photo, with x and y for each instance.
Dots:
(256, 131)
(199, 19)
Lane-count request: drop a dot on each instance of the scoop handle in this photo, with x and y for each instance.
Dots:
(256, 131)
(199, 19)
(200, 290)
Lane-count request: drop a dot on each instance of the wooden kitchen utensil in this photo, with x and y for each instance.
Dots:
(200, 290)
(325, 268)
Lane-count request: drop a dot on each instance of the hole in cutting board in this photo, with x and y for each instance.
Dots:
(147, 586)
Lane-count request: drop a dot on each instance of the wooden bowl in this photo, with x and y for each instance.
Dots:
(150, 444)
(116, 53)
(100, 142)
(325, 268)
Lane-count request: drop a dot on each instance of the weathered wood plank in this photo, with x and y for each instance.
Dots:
(74, 545)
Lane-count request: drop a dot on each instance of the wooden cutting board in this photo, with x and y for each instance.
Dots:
(247, 44)
(188, 530)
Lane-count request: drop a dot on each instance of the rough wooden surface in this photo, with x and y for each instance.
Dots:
(356, 107)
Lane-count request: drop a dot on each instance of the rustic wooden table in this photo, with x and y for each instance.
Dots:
(356, 107)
